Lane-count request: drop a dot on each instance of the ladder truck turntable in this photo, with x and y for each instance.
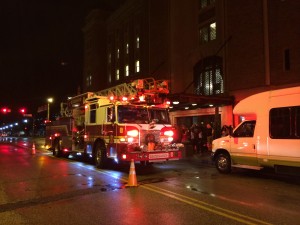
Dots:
(127, 122)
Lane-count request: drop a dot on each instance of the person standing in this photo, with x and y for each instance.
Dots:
(209, 136)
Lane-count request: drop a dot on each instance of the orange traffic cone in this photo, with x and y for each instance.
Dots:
(33, 149)
(132, 181)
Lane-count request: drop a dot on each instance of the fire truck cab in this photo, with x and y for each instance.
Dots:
(129, 121)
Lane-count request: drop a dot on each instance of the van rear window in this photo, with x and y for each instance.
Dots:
(285, 123)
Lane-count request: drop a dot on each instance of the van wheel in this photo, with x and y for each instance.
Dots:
(223, 163)
(100, 155)
(56, 149)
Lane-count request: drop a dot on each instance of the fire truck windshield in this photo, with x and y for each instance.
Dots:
(142, 115)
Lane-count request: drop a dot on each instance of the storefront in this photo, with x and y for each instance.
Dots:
(189, 109)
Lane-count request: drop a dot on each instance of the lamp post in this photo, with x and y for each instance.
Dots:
(49, 100)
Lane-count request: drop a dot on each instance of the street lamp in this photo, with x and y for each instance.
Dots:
(49, 100)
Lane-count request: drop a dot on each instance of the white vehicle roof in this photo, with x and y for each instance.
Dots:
(269, 99)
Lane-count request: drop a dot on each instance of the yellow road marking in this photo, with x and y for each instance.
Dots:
(208, 207)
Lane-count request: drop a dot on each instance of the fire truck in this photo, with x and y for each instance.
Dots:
(127, 122)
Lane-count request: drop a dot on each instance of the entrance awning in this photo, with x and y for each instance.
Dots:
(181, 101)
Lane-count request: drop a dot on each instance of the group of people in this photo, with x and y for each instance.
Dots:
(199, 136)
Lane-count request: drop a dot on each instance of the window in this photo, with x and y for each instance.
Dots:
(117, 74)
(204, 3)
(110, 114)
(127, 48)
(118, 53)
(285, 123)
(93, 108)
(127, 70)
(109, 76)
(137, 66)
(89, 81)
(134, 114)
(109, 58)
(287, 65)
(208, 76)
(207, 33)
(137, 42)
(246, 129)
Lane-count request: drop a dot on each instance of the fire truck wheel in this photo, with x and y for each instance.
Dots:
(100, 155)
(56, 149)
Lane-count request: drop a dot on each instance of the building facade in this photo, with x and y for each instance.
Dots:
(213, 52)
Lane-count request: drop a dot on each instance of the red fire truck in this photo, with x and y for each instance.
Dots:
(128, 121)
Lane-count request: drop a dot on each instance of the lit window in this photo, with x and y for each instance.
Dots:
(207, 33)
(205, 3)
(127, 48)
(137, 42)
(118, 53)
(212, 30)
(209, 78)
(109, 58)
(109, 77)
(137, 66)
(127, 70)
(89, 80)
(117, 74)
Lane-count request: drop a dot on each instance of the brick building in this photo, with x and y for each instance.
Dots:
(214, 52)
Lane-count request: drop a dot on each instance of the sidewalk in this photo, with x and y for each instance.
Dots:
(203, 158)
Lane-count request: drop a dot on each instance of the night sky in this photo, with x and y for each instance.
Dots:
(41, 51)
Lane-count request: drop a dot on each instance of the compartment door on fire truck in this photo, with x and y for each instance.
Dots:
(109, 127)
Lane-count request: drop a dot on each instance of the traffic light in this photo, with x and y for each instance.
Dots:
(5, 110)
(22, 110)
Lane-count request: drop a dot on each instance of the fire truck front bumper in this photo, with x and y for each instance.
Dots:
(152, 156)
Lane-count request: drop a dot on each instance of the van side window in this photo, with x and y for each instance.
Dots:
(285, 123)
(246, 129)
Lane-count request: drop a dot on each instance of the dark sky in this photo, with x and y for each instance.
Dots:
(41, 52)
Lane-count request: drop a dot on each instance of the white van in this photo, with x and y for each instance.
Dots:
(269, 136)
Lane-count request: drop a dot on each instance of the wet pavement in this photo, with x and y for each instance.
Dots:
(39, 144)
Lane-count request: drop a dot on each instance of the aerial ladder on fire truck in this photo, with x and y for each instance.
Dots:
(146, 90)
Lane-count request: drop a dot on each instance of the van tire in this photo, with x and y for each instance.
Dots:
(223, 163)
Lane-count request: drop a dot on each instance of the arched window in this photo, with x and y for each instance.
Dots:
(208, 76)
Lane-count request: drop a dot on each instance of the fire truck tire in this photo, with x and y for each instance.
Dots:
(56, 149)
(100, 158)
